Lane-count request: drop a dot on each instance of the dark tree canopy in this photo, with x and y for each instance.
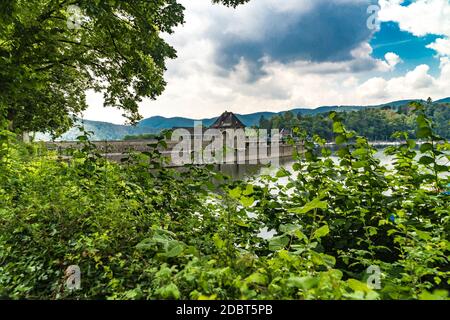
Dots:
(52, 51)
(231, 3)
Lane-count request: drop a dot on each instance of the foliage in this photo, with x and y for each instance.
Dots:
(139, 230)
(374, 123)
(231, 3)
(52, 52)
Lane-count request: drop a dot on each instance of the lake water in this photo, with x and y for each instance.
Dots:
(244, 171)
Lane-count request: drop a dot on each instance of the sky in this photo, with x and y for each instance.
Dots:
(276, 55)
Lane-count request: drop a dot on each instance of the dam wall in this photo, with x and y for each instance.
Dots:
(251, 154)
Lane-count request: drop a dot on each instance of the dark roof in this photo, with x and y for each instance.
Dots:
(227, 120)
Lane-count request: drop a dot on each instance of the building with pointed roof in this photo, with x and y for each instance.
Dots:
(228, 120)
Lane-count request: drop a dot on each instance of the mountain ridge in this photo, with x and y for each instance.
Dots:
(108, 131)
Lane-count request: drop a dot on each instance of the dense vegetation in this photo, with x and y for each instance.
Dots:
(52, 52)
(374, 123)
(137, 233)
(139, 230)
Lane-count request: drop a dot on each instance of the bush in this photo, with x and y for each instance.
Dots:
(155, 233)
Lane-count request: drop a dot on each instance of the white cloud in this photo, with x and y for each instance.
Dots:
(198, 87)
(441, 46)
(420, 18)
(443, 84)
(415, 84)
(392, 59)
(419, 78)
(374, 88)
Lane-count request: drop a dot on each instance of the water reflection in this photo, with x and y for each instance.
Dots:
(245, 171)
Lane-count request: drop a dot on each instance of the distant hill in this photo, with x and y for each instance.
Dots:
(445, 100)
(159, 122)
(101, 131)
(109, 131)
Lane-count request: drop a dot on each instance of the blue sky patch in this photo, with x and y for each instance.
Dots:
(410, 48)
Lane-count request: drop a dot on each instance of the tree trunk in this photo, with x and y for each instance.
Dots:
(25, 137)
(10, 117)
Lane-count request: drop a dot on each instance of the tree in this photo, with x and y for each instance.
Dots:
(52, 52)
(374, 123)
(288, 116)
(277, 122)
(231, 3)
(264, 123)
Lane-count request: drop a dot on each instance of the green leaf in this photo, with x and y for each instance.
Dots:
(424, 132)
(338, 127)
(314, 204)
(326, 152)
(411, 143)
(174, 248)
(436, 295)
(329, 260)
(356, 285)
(359, 164)
(247, 201)
(235, 193)
(146, 244)
(340, 139)
(425, 160)
(283, 173)
(426, 147)
(278, 243)
(163, 144)
(305, 283)
(321, 232)
(359, 152)
(423, 235)
(257, 278)
(332, 115)
(169, 292)
(218, 241)
(248, 190)
(341, 153)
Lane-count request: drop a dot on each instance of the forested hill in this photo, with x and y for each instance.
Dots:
(377, 123)
(152, 125)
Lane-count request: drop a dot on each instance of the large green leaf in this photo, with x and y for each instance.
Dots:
(278, 243)
(321, 232)
(314, 204)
